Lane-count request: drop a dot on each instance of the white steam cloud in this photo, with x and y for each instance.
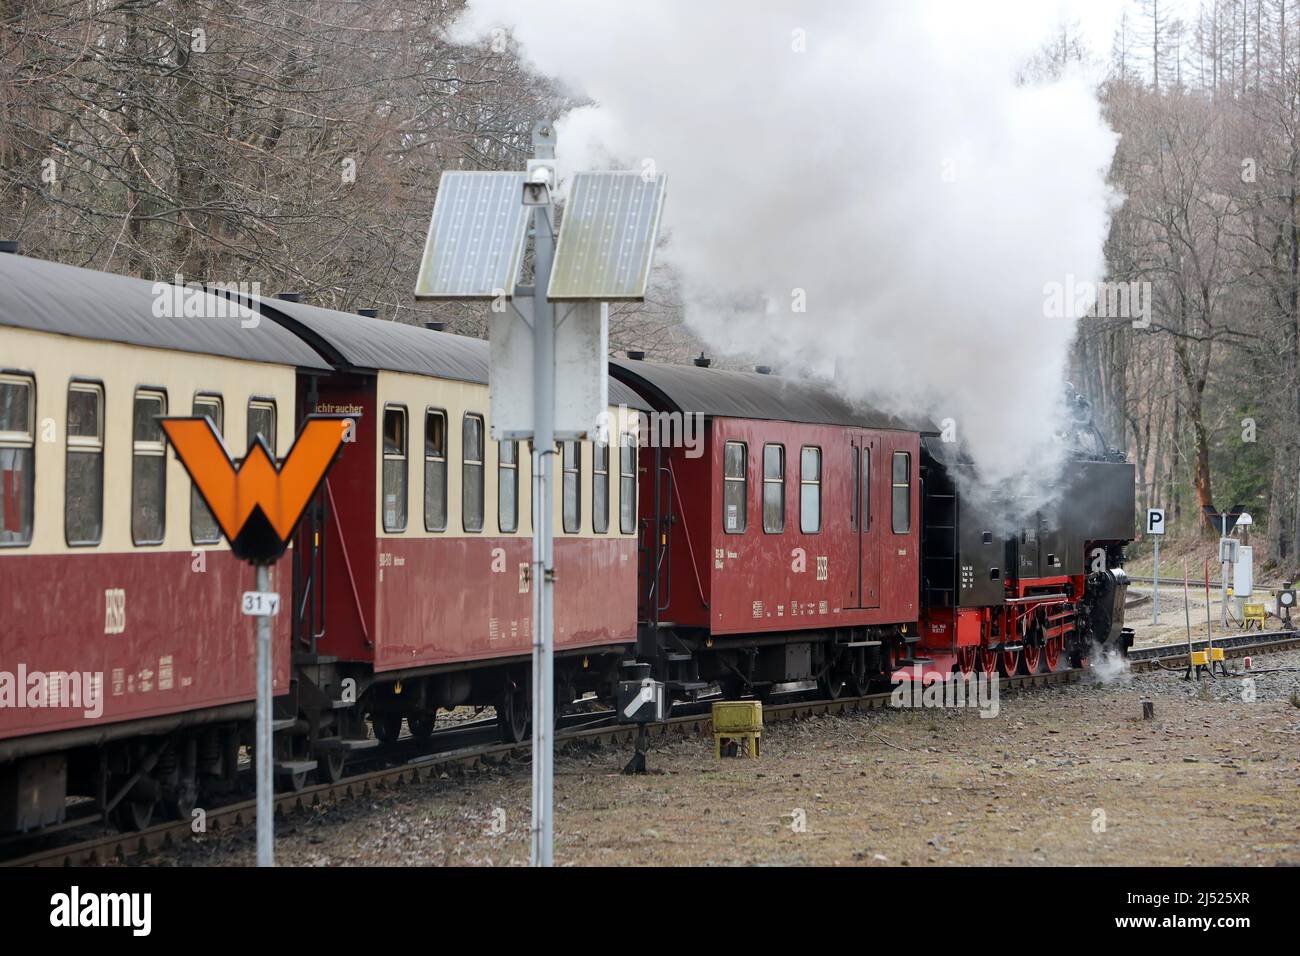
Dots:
(878, 159)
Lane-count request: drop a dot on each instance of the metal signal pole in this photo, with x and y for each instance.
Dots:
(474, 252)
(1223, 573)
(262, 752)
(1155, 588)
(543, 519)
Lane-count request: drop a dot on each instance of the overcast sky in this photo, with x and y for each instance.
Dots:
(1098, 18)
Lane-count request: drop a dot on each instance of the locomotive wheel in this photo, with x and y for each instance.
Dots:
(512, 715)
(966, 660)
(388, 727)
(1032, 656)
(1052, 654)
(1009, 663)
(988, 662)
(422, 727)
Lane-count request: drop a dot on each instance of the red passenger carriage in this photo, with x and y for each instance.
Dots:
(782, 549)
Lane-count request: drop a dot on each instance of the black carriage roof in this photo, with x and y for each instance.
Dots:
(68, 300)
(723, 393)
(358, 342)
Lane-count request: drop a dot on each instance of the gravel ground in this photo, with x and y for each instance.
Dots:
(1061, 776)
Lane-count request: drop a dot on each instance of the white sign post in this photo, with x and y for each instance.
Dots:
(1156, 527)
(262, 604)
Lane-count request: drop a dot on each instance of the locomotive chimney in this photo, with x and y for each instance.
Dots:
(636, 355)
(763, 369)
(435, 326)
(9, 245)
(703, 361)
(289, 296)
(369, 313)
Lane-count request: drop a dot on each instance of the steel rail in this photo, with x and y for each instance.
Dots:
(427, 766)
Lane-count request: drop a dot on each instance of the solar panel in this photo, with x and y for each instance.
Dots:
(476, 237)
(607, 238)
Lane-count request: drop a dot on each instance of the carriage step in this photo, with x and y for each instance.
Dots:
(909, 662)
(342, 704)
(862, 644)
(911, 638)
(279, 726)
(999, 648)
(677, 656)
(686, 684)
(294, 766)
(350, 744)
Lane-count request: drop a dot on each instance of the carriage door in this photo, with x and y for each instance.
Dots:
(863, 522)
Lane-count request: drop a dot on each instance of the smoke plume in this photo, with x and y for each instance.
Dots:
(876, 164)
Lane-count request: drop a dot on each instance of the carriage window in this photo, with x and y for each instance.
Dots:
(773, 488)
(394, 476)
(261, 421)
(17, 460)
(735, 486)
(435, 470)
(600, 487)
(471, 472)
(203, 526)
(83, 499)
(627, 484)
(810, 490)
(902, 492)
(508, 486)
(525, 455)
(572, 463)
(866, 489)
(148, 469)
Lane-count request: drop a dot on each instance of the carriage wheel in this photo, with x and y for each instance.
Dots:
(330, 764)
(133, 815)
(1009, 663)
(967, 658)
(388, 727)
(832, 685)
(1052, 653)
(513, 713)
(1032, 656)
(422, 727)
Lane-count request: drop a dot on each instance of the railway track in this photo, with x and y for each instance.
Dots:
(458, 751)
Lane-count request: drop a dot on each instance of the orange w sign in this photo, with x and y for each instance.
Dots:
(256, 504)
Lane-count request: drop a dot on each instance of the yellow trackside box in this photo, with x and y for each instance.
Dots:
(737, 716)
(1200, 658)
